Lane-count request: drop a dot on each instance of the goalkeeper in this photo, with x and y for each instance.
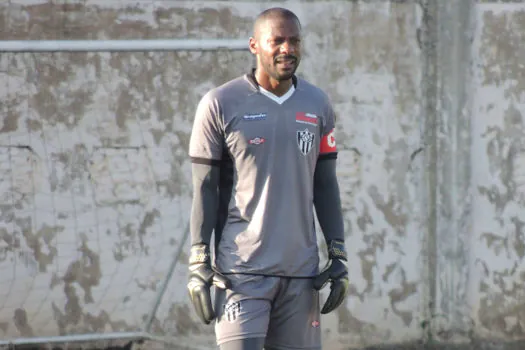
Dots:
(263, 159)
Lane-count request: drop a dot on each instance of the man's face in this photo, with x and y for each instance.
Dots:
(278, 47)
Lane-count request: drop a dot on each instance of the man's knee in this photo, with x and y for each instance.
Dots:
(243, 344)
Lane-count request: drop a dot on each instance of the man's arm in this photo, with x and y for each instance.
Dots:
(327, 200)
(204, 207)
(205, 150)
(329, 214)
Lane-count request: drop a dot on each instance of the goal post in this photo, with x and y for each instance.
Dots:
(122, 45)
(94, 185)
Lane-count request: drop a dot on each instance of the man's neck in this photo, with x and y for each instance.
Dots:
(276, 87)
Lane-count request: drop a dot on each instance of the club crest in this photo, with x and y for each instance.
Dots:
(232, 311)
(305, 141)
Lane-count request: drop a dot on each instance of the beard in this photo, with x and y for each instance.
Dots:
(274, 68)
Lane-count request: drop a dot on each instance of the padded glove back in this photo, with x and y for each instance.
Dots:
(201, 278)
(335, 273)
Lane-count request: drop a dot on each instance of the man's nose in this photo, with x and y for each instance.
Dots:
(287, 47)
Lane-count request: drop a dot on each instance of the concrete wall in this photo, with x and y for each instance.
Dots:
(94, 177)
(497, 244)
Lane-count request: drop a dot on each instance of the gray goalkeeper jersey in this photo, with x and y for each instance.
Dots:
(273, 147)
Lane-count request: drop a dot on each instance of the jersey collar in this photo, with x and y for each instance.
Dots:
(278, 99)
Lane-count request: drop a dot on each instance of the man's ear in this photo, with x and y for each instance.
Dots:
(253, 45)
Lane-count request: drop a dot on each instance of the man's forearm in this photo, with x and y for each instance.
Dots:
(327, 201)
(203, 218)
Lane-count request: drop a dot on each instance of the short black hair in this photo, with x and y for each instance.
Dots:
(274, 12)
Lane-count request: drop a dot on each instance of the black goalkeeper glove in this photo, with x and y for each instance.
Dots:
(201, 278)
(336, 273)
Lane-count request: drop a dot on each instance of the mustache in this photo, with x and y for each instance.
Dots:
(285, 57)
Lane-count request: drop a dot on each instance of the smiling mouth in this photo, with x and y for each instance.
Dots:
(287, 60)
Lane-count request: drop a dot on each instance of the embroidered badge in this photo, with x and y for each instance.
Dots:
(305, 141)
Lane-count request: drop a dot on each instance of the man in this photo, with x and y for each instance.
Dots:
(263, 157)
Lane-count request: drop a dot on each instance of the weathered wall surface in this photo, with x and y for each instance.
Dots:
(476, 149)
(94, 177)
(497, 248)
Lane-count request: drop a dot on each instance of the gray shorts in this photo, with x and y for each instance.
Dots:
(285, 311)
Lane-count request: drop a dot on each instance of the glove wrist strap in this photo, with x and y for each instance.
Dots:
(337, 250)
(199, 254)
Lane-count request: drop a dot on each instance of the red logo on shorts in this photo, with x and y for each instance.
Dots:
(316, 324)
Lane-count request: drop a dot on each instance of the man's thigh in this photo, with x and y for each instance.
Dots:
(295, 317)
(243, 312)
(244, 344)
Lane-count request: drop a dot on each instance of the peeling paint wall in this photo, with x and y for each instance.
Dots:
(95, 182)
(475, 155)
(497, 263)
(94, 173)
